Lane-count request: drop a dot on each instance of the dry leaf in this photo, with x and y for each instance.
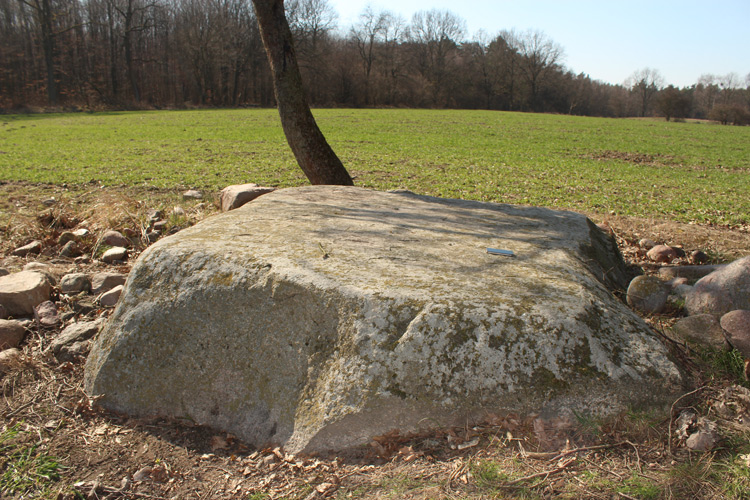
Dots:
(218, 443)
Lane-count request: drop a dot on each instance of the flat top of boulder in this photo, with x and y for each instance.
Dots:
(401, 243)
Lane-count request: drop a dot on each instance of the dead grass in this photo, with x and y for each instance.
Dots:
(46, 415)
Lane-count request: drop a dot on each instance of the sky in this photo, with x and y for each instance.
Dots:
(606, 39)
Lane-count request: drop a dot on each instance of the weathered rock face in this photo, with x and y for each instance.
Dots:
(21, 292)
(726, 289)
(319, 317)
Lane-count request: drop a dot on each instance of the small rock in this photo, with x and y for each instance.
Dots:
(736, 325)
(103, 282)
(235, 196)
(75, 283)
(32, 248)
(724, 290)
(699, 433)
(646, 244)
(115, 239)
(69, 250)
(115, 254)
(48, 202)
(21, 292)
(110, 298)
(691, 273)
(698, 257)
(679, 251)
(648, 294)
(73, 341)
(701, 329)
(46, 314)
(4, 272)
(155, 215)
(178, 212)
(662, 253)
(192, 194)
(81, 233)
(83, 259)
(160, 225)
(66, 237)
(152, 236)
(36, 266)
(9, 358)
(11, 333)
(674, 283)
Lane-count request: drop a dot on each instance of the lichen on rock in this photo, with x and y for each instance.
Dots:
(318, 317)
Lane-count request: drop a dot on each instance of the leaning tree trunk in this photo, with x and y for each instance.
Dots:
(313, 153)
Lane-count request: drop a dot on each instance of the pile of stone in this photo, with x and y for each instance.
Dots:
(716, 299)
(74, 306)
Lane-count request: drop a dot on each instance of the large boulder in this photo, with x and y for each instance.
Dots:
(21, 292)
(318, 317)
(724, 290)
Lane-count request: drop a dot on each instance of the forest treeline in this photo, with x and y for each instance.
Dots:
(130, 54)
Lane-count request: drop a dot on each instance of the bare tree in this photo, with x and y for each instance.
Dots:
(313, 153)
(435, 35)
(539, 56)
(367, 33)
(644, 84)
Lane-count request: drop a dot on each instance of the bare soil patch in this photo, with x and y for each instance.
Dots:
(45, 412)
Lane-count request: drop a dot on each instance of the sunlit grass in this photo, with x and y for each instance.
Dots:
(679, 171)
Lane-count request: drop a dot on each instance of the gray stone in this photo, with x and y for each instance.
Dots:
(115, 239)
(74, 341)
(192, 194)
(691, 273)
(724, 290)
(318, 317)
(115, 254)
(46, 314)
(32, 248)
(66, 237)
(647, 294)
(736, 324)
(4, 272)
(103, 282)
(69, 250)
(110, 298)
(646, 243)
(178, 212)
(698, 257)
(21, 292)
(155, 215)
(662, 253)
(701, 329)
(75, 283)
(152, 236)
(160, 225)
(8, 359)
(81, 233)
(235, 196)
(11, 333)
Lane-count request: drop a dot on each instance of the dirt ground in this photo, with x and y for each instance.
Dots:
(47, 418)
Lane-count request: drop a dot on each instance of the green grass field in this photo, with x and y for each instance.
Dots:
(679, 171)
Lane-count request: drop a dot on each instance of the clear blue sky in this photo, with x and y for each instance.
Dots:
(609, 39)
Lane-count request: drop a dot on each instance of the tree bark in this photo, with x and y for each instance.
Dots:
(313, 153)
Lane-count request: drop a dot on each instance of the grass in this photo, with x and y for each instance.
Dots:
(627, 167)
(23, 469)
